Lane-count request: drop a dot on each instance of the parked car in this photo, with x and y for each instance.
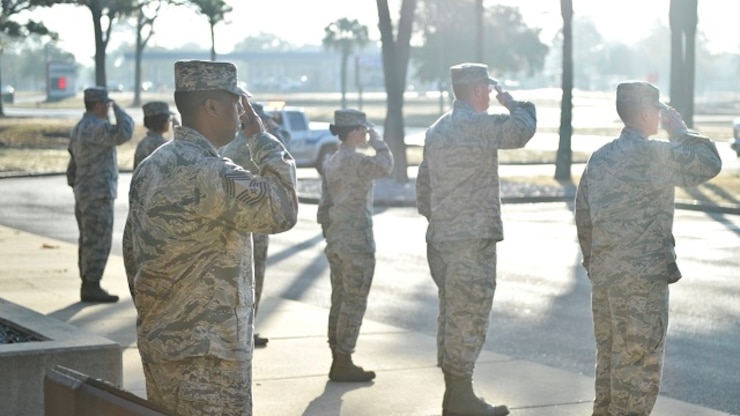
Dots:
(735, 141)
(310, 142)
(8, 93)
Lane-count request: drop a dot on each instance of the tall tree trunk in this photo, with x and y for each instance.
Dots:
(689, 79)
(683, 22)
(137, 63)
(395, 66)
(479, 14)
(2, 92)
(343, 77)
(213, 43)
(100, 44)
(690, 63)
(565, 154)
(676, 17)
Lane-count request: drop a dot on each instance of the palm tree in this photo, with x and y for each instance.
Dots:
(565, 154)
(345, 36)
(215, 11)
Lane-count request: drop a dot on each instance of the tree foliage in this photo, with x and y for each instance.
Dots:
(345, 36)
(263, 42)
(215, 11)
(11, 29)
(448, 38)
(27, 68)
(146, 13)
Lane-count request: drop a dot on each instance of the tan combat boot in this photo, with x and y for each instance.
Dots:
(343, 369)
(460, 400)
(92, 292)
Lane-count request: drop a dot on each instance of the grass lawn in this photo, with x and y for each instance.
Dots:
(39, 145)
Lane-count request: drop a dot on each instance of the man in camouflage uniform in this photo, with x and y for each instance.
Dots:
(238, 152)
(92, 173)
(189, 224)
(624, 216)
(157, 120)
(457, 190)
(345, 214)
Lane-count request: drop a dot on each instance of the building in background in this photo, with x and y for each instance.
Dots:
(61, 81)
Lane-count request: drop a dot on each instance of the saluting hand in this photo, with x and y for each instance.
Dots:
(251, 122)
(503, 97)
(673, 122)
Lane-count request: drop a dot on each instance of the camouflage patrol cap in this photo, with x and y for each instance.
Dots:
(96, 95)
(351, 118)
(207, 76)
(155, 108)
(638, 92)
(470, 73)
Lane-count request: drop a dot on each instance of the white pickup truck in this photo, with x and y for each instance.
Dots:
(310, 143)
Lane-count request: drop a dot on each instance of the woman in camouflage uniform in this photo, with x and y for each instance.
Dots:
(345, 215)
(157, 118)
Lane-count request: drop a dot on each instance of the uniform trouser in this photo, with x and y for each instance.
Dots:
(465, 274)
(95, 226)
(630, 324)
(351, 277)
(201, 386)
(260, 243)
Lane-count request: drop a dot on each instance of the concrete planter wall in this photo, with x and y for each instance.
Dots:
(23, 365)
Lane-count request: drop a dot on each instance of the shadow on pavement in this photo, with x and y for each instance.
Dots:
(330, 400)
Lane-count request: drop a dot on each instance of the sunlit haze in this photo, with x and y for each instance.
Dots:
(302, 22)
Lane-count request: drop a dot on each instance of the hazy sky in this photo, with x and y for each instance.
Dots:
(303, 21)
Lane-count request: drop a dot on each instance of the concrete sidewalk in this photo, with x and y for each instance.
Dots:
(290, 375)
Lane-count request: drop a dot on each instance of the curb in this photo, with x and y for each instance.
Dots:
(679, 204)
(714, 209)
(688, 205)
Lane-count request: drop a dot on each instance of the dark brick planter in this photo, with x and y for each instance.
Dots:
(23, 365)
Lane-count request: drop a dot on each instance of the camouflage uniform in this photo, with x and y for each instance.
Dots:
(93, 174)
(624, 216)
(153, 139)
(457, 190)
(188, 228)
(239, 153)
(345, 214)
(147, 145)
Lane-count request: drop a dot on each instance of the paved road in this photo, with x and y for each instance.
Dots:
(541, 311)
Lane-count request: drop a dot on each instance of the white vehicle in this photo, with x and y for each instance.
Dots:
(735, 141)
(310, 143)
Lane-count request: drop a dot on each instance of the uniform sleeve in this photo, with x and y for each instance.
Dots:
(139, 154)
(583, 220)
(128, 255)
(423, 190)
(71, 169)
(115, 134)
(325, 204)
(266, 203)
(689, 160)
(511, 131)
(378, 166)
